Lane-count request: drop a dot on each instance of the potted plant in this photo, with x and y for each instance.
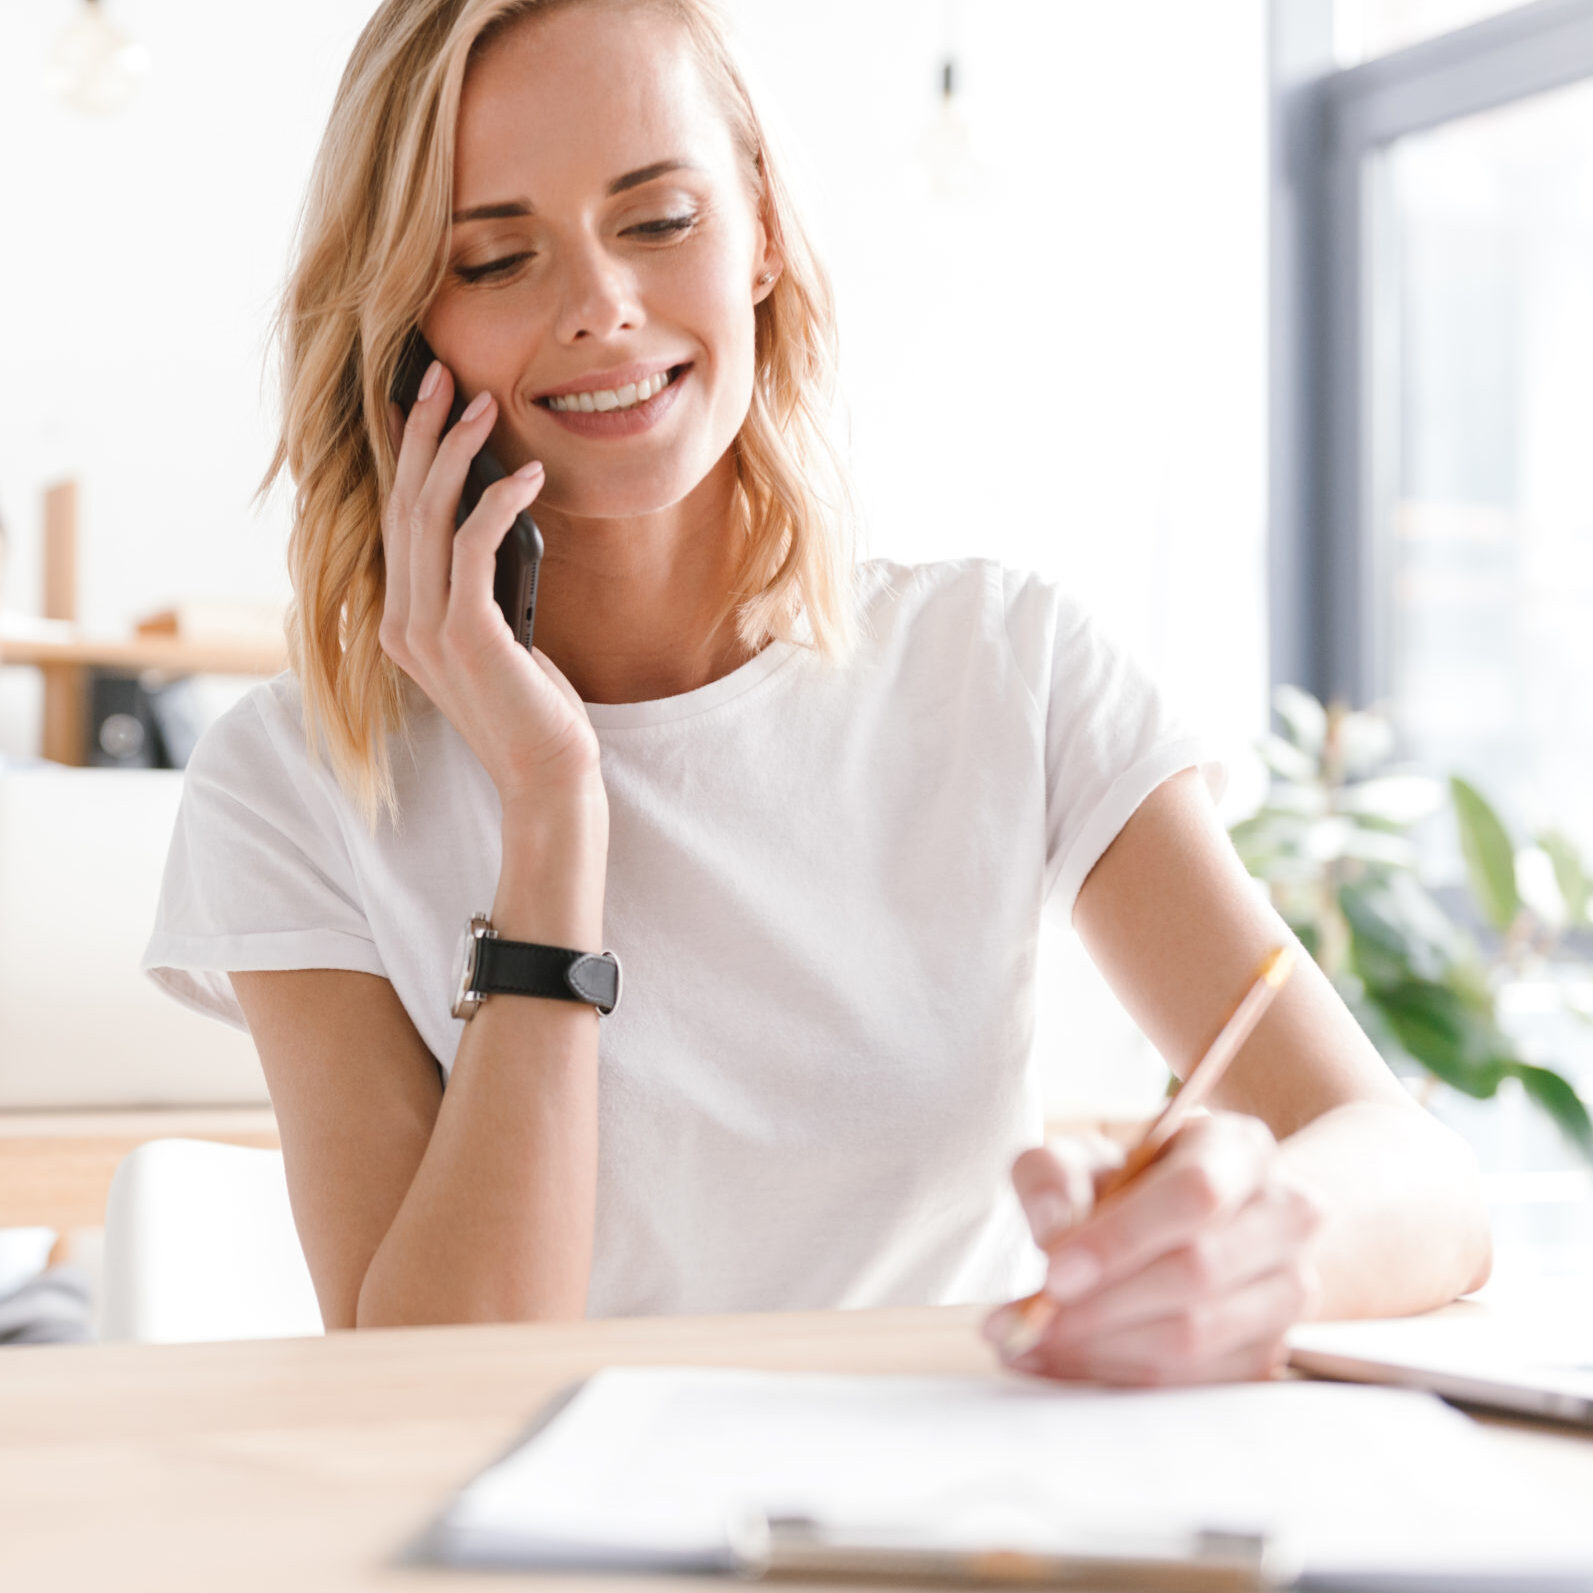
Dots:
(1332, 842)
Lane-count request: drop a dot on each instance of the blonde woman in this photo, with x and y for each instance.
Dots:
(815, 808)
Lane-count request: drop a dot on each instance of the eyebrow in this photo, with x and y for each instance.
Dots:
(508, 209)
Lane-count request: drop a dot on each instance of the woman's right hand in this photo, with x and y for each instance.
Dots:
(441, 624)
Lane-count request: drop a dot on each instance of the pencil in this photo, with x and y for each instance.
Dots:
(1037, 1310)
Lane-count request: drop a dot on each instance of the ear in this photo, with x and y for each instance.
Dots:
(767, 265)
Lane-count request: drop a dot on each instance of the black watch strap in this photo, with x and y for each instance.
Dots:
(519, 968)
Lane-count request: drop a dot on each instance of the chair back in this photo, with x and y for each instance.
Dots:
(200, 1245)
(81, 1028)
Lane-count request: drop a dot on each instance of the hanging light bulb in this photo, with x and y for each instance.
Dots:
(946, 148)
(947, 153)
(95, 66)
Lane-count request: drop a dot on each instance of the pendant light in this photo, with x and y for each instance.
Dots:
(95, 67)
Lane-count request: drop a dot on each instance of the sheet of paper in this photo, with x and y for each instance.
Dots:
(648, 1465)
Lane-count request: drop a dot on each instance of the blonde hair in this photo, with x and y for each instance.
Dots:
(371, 254)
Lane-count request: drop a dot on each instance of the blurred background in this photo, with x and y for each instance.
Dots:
(1265, 326)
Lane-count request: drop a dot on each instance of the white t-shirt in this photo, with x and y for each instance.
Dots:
(825, 885)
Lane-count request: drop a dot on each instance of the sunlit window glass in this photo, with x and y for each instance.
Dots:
(1487, 453)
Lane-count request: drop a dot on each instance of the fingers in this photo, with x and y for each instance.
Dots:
(1192, 1272)
(1056, 1183)
(1265, 1235)
(416, 446)
(1207, 1339)
(439, 583)
(432, 513)
(1210, 1169)
(473, 553)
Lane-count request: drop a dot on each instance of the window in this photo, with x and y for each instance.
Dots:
(1431, 400)
(1486, 446)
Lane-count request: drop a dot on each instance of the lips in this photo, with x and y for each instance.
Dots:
(613, 380)
(605, 398)
(610, 417)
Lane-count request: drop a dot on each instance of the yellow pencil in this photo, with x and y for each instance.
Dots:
(1036, 1311)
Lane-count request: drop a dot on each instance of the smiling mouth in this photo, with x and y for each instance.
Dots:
(605, 399)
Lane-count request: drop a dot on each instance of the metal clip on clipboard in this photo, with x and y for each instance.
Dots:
(771, 1547)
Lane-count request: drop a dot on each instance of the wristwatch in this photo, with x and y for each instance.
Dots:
(491, 966)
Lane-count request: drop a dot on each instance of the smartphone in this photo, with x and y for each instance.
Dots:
(514, 583)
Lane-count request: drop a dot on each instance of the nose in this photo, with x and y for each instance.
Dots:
(597, 295)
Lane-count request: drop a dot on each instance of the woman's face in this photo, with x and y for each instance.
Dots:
(604, 244)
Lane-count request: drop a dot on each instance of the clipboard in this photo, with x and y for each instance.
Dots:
(1006, 1483)
(801, 1548)
(760, 1547)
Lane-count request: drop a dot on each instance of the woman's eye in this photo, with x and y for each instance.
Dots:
(664, 227)
(493, 268)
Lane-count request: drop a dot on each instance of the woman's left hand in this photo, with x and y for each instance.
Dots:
(1191, 1273)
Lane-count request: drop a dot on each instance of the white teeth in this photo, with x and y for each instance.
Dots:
(606, 398)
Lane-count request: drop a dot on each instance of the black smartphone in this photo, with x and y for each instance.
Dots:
(514, 584)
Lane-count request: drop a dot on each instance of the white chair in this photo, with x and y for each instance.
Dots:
(200, 1245)
(81, 854)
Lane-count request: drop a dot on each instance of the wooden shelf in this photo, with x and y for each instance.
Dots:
(56, 1167)
(169, 654)
(63, 654)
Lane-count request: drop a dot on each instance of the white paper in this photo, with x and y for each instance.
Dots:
(650, 1465)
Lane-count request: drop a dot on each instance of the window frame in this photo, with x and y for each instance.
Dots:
(1328, 379)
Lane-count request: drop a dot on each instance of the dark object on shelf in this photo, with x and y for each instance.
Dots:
(51, 1308)
(140, 722)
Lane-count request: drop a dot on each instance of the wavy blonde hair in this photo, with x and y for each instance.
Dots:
(372, 253)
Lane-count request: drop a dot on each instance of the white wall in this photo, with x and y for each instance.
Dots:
(1064, 368)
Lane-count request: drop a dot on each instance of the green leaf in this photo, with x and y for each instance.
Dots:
(1366, 742)
(1561, 1102)
(1380, 952)
(1394, 919)
(1287, 761)
(1452, 1042)
(1570, 873)
(1490, 858)
(1304, 718)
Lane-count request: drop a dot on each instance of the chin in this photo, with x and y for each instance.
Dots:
(587, 496)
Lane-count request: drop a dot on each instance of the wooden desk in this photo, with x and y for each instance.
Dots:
(303, 1466)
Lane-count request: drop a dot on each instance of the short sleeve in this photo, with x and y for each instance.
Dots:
(258, 875)
(1110, 734)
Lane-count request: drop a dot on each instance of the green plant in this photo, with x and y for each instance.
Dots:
(1332, 845)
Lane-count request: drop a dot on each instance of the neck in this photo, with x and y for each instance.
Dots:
(627, 608)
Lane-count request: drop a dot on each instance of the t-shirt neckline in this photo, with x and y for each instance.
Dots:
(688, 704)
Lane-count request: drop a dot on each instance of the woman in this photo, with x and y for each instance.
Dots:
(814, 808)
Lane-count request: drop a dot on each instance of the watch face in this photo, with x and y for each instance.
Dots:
(467, 1000)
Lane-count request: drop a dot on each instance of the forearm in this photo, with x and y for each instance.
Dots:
(1406, 1227)
(497, 1223)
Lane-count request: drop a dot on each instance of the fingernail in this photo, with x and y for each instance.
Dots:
(529, 471)
(477, 404)
(1049, 1215)
(428, 383)
(998, 1324)
(1072, 1274)
(1020, 1335)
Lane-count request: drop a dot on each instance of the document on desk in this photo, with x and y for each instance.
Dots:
(651, 1468)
